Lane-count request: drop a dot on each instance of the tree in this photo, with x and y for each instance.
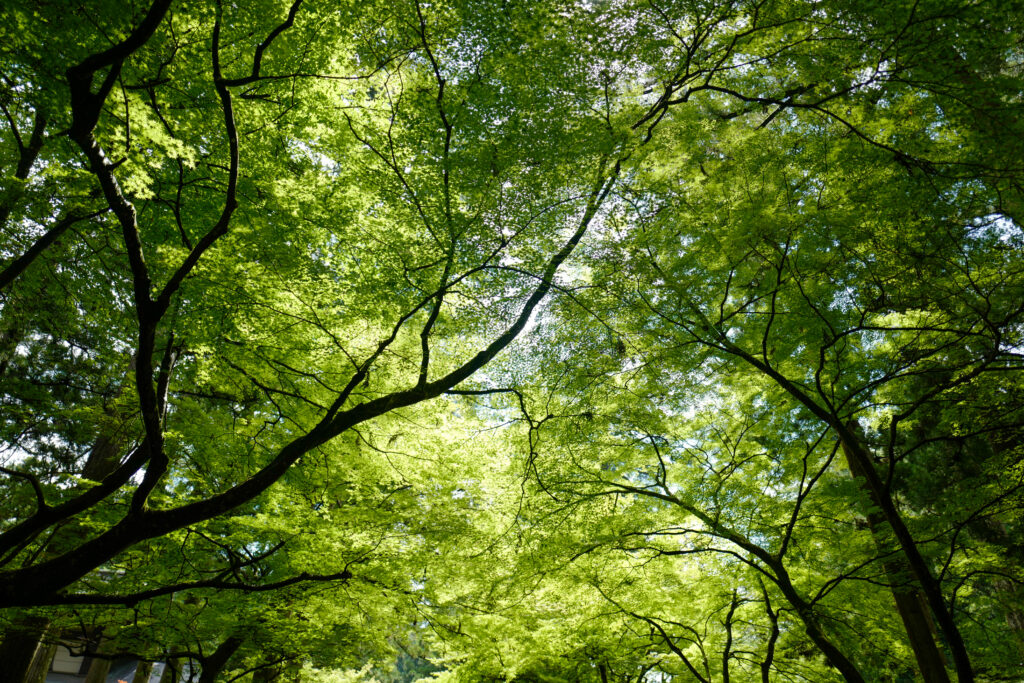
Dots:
(767, 251)
(750, 263)
(316, 340)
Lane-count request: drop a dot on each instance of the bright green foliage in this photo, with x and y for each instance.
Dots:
(501, 340)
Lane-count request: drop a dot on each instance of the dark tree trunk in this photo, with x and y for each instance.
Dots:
(26, 158)
(107, 449)
(172, 671)
(727, 650)
(98, 670)
(41, 662)
(99, 667)
(855, 452)
(142, 672)
(215, 663)
(19, 648)
(909, 604)
(773, 637)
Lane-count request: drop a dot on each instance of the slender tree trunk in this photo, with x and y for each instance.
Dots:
(1013, 597)
(780, 576)
(104, 457)
(1010, 596)
(773, 636)
(43, 658)
(727, 650)
(856, 452)
(107, 449)
(98, 670)
(916, 623)
(19, 648)
(142, 672)
(172, 671)
(915, 561)
(24, 658)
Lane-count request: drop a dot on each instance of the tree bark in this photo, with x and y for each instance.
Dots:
(779, 575)
(855, 452)
(19, 648)
(773, 636)
(106, 451)
(215, 663)
(41, 662)
(12, 329)
(171, 672)
(98, 670)
(727, 650)
(909, 605)
(99, 667)
(142, 672)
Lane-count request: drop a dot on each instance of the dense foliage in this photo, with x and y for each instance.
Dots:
(605, 340)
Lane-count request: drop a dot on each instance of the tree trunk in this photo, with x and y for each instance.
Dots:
(41, 663)
(1013, 597)
(909, 605)
(773, 636)
(12, 330)
(727, 650)
(98, 670)
(856, 452)
(24, 658)
(172, 671)
(215, 663)
(780, 576)
(19, 648)
(142, 672)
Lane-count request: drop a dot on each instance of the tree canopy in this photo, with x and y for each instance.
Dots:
(602, 340)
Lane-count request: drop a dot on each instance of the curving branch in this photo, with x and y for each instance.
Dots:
(130, 599)
(45, 581)
(257, 59)
(41, 504)
(19, 265)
